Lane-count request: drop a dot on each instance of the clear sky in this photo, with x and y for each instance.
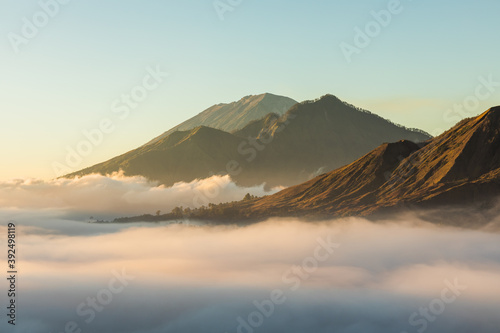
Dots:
(68, 72)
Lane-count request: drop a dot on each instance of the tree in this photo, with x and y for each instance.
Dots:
(248, 196)
(177, 211)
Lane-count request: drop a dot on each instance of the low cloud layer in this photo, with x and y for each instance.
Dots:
(345, 276)
(118, 195)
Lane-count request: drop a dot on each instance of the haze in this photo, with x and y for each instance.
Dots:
(193, 279)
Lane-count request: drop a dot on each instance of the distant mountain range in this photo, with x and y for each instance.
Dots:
(236, 115)
(258, 142)
(459, 169)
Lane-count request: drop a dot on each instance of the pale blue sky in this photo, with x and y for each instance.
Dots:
(64, 79)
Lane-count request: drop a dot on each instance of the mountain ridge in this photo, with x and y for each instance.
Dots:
(457, 172)
(235, 115)
(280, 150)
(465, 156)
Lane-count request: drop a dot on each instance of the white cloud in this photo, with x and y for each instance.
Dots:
(201, 279)
(117, 194)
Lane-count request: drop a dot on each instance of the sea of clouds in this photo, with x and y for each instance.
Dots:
(282, 275)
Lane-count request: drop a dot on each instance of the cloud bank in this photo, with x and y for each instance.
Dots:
(345, 276)
(118, 195)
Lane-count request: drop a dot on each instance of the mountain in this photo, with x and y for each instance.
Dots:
(234, 116)
(181, 156)
(311, 138)
(314, 137)
(458, 169)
